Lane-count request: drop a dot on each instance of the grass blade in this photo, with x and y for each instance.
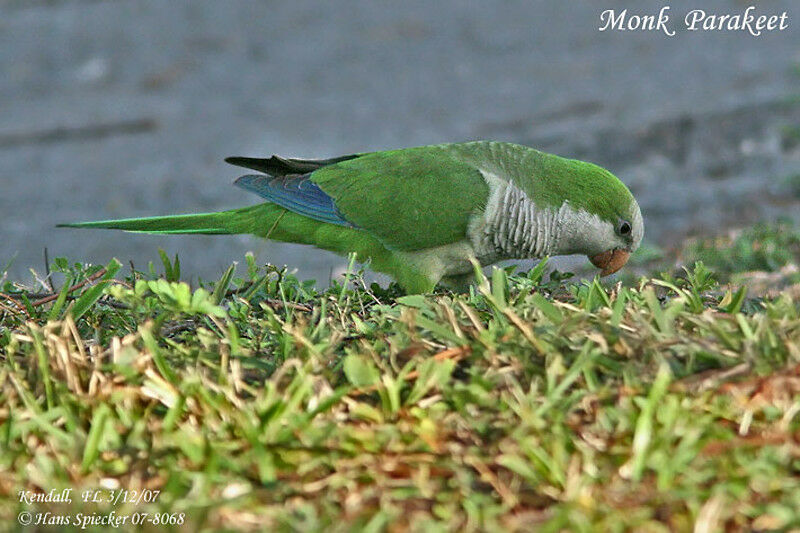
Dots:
(92, 294)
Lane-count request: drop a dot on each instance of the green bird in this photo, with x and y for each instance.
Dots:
(422, 214)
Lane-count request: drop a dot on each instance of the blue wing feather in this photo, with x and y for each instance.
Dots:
(296, 193)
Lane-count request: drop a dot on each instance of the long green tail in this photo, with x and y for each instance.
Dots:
(271, 221)
(222, 223)
(265, 220)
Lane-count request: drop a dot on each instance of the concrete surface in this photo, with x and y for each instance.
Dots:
(127, 108)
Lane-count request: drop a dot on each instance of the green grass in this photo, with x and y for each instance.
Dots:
(763, 247)
(792, 183)
(260, 402)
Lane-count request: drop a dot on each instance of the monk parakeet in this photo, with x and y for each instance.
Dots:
(420, 214)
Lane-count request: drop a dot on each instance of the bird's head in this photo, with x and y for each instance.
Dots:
(600, 217)
(613, 241)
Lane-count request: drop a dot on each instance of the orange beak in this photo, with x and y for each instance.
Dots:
(610, 261)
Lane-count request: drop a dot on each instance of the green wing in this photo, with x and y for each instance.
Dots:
(409, 199)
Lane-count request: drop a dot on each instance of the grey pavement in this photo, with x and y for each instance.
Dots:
(127, 108)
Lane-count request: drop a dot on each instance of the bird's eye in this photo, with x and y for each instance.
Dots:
(624, 228)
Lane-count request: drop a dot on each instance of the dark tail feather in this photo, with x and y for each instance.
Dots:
(279, 166)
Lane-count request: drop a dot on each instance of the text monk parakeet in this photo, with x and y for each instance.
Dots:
(420, 214)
